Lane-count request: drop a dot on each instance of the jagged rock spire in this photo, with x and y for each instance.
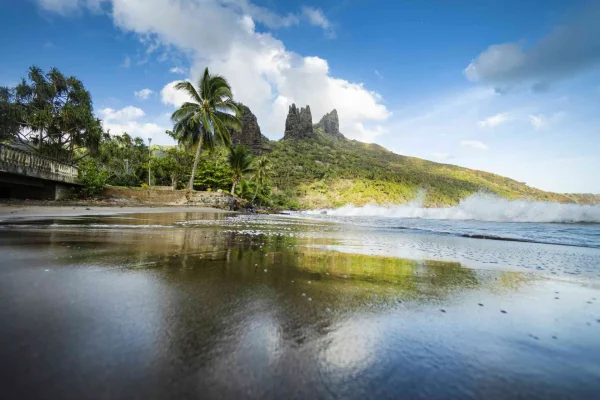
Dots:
(330, 123)
(250, 135)
(298, 124)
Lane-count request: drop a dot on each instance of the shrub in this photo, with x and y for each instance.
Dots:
(124, 180)
(91, 178)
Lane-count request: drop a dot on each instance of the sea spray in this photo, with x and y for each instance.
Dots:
(481, 207)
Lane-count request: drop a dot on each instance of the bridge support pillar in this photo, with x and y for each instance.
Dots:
(20, 187)
(62, 192)
(24, 175)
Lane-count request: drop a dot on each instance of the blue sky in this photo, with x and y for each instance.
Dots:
(510, 87)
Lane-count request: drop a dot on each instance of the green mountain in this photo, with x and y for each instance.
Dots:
(315, 166)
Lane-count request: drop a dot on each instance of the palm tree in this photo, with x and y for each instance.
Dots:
(240, 161)
(262, 170)
(208, 117)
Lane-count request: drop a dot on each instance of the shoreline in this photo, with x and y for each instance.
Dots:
(36, 210)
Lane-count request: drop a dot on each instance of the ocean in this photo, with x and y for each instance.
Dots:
(353, 303)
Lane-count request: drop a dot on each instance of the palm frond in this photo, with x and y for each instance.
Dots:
(222, 132)
(230, 121)
(204, 84)
(183, 113)
(188, 88)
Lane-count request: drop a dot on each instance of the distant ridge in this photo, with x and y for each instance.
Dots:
(315, 166)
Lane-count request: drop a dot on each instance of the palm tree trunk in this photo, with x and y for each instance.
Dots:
(233, 187)
(198, 151)
(255, 193)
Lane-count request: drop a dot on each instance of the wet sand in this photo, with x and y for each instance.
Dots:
(35, 212)
(215, 305)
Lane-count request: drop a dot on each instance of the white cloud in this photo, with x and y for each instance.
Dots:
(143, 94)
(124, 114)
(368, 134)
(261, 14)
(172, 97)
(378, 74)
(178, 70)
(264, 75)
(270, 19)
(127, 120)
(474, 144)
(568, 50)
(316, 17)
(494, 120)
(541, 121)
(538, 121)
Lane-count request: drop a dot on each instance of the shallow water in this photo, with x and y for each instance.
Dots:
(186, 305)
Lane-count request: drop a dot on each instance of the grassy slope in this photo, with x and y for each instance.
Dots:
(330, 173)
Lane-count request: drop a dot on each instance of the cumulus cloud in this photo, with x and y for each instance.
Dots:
(494, 120)
(143, 94)
(124, 114)
(474, 144)
(316, 17)
(127, 120)
(568, 50)
(263, 73)
(172, 97)
(270, 19)
(178, 70)
(262, 14)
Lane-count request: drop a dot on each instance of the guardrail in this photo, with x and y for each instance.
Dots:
(22, 162)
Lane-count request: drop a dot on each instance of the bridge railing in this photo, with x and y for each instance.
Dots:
(36, 165)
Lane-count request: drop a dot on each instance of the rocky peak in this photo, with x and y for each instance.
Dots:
(298, 124)
(250, 135)
(330, 123)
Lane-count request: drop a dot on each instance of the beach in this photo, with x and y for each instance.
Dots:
(37, 211)
(180, 304)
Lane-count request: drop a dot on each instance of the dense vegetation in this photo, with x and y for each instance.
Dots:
(51, 114)
(205, 120)
(331, 172)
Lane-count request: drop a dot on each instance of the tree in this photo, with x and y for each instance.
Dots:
(125, 158)
(208, 117)
(173, 164)
(212, 175)
(262, 170)
(240, 162)
(52, 115)
(9, 115)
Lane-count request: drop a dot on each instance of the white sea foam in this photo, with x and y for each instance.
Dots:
(479, 207)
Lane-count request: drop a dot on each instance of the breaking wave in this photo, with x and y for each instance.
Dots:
(479, 207)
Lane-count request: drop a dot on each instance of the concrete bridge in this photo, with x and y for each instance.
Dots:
(24, 175)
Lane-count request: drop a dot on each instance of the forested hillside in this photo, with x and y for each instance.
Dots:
(330, 171)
